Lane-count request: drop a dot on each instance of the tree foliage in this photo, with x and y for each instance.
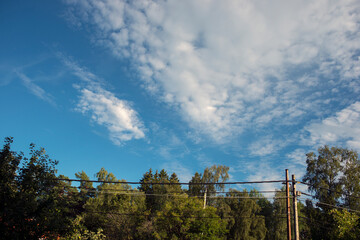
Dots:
(248, 223)
(334, 177)
(346, 224)
(37, 203)
(185, 218)
(31, 201)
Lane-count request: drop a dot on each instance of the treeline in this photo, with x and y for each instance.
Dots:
(36, 203)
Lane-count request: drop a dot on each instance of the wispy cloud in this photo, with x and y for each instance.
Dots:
(81, 72)
(234, 65)
(342, 127)
(116, 115)
(184, 173)
(297, 157)
(266, 146)
(34, 88)
(263, 171)
(103, 107)
(165, 143)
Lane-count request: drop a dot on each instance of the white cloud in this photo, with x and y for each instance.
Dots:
(81, 72)
(35, 89)
(297, 158)
(233, 65)
(265, 146)
(104, 108)
(344, 126)
(116, 115)
(263, 171)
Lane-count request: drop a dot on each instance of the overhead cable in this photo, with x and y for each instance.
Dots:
(312, 185)
(169, 183)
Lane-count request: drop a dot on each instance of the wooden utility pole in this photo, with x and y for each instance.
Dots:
(296, 220)
(205, 197)
(288, 205)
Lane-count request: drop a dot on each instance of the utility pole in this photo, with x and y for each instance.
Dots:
(296, 220)
(205, 196)
(288, 205)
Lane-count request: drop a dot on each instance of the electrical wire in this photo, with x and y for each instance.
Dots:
(182, 216)
(330, 205)
(311, 185)
(184, 195)
(185, 191)
(318, 225)
(169, 183)
(148, 215)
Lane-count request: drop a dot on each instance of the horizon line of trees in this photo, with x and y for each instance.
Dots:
(36, 204)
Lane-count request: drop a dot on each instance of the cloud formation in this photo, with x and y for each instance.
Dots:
(229, 66)
(344, 127)
(116, 115)
(35, 89)
(104, 108)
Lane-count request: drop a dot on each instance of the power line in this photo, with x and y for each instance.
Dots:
(169, 183)
(330, 205)
(136, 190)
(323, 188)
(306, 194)
(319, 224)
(183, 195)
(348, 209)
(181, 216)
(149, 215)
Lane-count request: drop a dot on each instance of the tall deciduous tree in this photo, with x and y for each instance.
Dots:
(35, 203)
(185, 218)
(277, 228)
(215, 175)
(249, 224)
(334, 175)
(334, 178)
(86, 188)
(9, 162)
(347, 225)
(112, 208)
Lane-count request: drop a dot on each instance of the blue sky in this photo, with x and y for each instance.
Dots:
(180, 85)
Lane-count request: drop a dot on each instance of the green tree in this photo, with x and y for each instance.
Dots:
(113, 208)
(346, 225)
(350, 179)
(9, 162)
(267, 211)
(80, 232)
(334, 175)
(195, 185)
(86, 188)
(158, 188)
(248, 224)
(214, 176)
(174, 188)
(185, 218)
(277, 229)
(35, 205)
